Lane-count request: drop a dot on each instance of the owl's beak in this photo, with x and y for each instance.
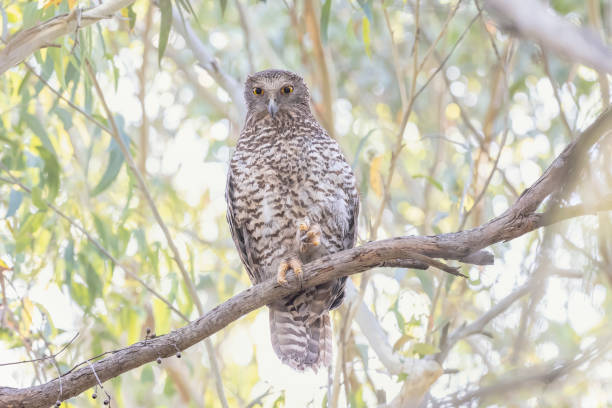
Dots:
(272, 107)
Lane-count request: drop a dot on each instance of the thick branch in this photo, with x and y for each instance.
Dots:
(516, 221)
(536, 21)
(24, 43)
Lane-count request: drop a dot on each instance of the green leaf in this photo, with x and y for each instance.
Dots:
(426, 283)
(280, 401)
(401, 322)
(432, 181)
(325, 20)
(365, 27)
(50, 172)
(147, 375)
(165, 6)
(131, 16)
(15, 199)
(223, 6)
(115, 162)
(94, 284)
(161, 312)
(425, 349)
(36, 126)
(366, 6)
(37, 199)
(64, 116)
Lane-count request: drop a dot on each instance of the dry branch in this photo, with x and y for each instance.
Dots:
(517, 220)
(21, 45)
(535, 20)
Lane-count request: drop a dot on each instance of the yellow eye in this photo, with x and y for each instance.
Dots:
(287, 89)
(257, 91)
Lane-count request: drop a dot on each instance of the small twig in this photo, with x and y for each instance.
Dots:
(99, 384)
(45, 357)
(487, 182)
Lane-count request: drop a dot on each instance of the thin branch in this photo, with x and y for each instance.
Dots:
(541, 375)
(45, 357)
(68, 101)
(149, 199)
(207, 61)
(555, 88)
(314, 32)
(487, 182)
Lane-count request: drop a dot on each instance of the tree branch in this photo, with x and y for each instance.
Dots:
(24, 43)
(536, 21)
(518, 220)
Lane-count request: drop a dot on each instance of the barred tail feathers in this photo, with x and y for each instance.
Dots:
(299, 342)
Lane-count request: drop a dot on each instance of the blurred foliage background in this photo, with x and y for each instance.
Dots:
(443, 133)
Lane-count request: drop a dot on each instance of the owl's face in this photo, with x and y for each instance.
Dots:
(272, 91)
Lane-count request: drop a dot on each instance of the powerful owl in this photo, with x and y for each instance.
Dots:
(291, 198)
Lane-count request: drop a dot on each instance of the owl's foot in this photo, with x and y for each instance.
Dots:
(284, 266)
(308, 235)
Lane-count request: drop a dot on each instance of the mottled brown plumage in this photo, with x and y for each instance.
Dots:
(291, 198)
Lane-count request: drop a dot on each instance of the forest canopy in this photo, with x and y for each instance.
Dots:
(485, 118)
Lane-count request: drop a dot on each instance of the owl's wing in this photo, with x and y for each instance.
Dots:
(239, 232)
(348, 241)
(351, 237)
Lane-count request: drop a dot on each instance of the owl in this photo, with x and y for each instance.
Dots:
(291, 198)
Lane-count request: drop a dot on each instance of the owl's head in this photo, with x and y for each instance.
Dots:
(272, 91)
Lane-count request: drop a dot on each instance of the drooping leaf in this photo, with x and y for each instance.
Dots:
(429, 179)
(223, 4)
(365, 31)
(50, 173)
(325, 10)
(37, 199)
(94, 283)
(426, 283)
(131, 15)
(15, 199)
(366, 6)
(375, 176)
(115, 162)
(36, 126)
(165, 6)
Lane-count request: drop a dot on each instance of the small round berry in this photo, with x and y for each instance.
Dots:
(94, 395)
(58, 403)
(106, 401)
(148, 330)
(178, 355)
(158, 360)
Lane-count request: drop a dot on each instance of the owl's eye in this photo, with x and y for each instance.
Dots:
(257, 91)
(287, 89)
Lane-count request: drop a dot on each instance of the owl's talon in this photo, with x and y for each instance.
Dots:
(284, 266)
(312, 237)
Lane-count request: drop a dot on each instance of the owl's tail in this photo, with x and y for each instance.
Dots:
(299, 340)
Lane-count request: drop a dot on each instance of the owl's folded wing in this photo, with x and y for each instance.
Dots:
(240, 234)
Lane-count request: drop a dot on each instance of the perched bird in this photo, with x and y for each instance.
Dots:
(291, 198)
